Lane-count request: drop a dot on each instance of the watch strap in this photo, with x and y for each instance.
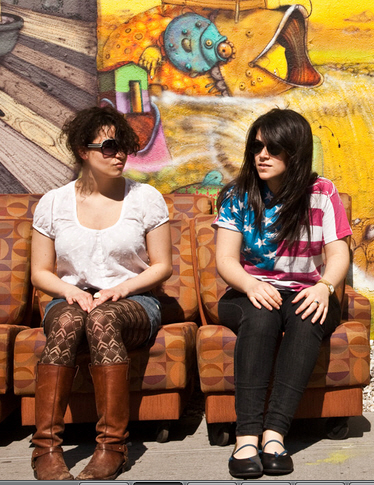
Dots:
(328, 284)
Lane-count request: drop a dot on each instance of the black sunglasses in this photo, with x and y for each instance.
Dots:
(109, 147)
(272, 148)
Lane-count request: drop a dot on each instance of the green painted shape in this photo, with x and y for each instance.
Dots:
(127, 73)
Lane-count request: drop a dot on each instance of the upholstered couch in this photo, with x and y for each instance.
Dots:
(15, 289)
(343, 367)
(162, 376)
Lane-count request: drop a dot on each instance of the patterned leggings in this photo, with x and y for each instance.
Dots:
(111, 329)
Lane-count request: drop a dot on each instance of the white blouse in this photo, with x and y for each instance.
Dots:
(100, 259)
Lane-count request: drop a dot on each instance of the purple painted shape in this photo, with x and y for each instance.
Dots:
(124, 105)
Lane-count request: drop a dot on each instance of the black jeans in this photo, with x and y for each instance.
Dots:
(258, 335)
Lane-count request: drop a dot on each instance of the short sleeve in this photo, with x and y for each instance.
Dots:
(335, 224)
(156, 211)
(335, 221)
(43, 220)
(230, 215)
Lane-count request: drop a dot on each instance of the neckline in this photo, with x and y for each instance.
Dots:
(75, 211)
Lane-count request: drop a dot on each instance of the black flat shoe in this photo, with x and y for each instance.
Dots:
(277, 463)
(245, 467)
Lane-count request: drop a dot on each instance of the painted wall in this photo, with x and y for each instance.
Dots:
(192, 76)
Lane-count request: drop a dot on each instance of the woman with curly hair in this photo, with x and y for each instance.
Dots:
(108, 238)
(281, 248)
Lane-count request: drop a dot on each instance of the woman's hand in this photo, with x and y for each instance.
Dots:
(83, 298)
(113, 294)
(316, 299)
(261, 293)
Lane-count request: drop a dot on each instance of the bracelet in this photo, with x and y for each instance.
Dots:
(328, 284)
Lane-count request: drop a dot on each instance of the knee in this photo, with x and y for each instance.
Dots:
(260, 323)
(69, 317)
(99, 319)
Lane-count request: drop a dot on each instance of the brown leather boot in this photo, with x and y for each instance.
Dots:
(111, 383)
(53, 385)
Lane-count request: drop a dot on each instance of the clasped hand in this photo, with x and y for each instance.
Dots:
(87, 302)
(316, 299)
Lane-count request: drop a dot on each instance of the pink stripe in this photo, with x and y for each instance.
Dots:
(299, 249)
(315, 216)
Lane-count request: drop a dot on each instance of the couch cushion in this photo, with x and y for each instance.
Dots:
(344, 359)
(15, 250)
(167, 364)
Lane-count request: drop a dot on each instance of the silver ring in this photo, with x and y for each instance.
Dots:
(316, 301)
(97, 295)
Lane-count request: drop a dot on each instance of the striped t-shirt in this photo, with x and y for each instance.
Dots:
(294, 268)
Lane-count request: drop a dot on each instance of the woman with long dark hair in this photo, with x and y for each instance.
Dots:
(108, 238)
(281, 248)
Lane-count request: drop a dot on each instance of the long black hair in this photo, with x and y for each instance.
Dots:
(293, 133)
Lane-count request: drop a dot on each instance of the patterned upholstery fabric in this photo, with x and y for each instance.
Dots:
(178, 294)
(18, 205)
(8, 335)
(180, 205)
(344, 359)
(212, 287)
(15, 233)
(15, 243)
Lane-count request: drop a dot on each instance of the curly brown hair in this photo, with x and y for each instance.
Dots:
(84, 127)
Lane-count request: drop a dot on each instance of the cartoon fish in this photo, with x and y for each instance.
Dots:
(175, 45)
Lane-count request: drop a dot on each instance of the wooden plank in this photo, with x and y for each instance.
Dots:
(35, 169)
(78, 9)
(61, 70)
(33, 97)
(63, 91)
(73, 58)
(9, 184)
(73, 34)
(34, 128)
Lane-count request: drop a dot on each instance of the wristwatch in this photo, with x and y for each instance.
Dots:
(329, 285)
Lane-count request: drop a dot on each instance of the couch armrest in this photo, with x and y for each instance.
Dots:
(8, 334)
(356, 307)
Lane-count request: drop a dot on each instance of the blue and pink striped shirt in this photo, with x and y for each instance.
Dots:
(294, 268)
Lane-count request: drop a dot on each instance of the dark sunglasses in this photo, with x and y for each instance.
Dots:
(109, 147)
(272, 148)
